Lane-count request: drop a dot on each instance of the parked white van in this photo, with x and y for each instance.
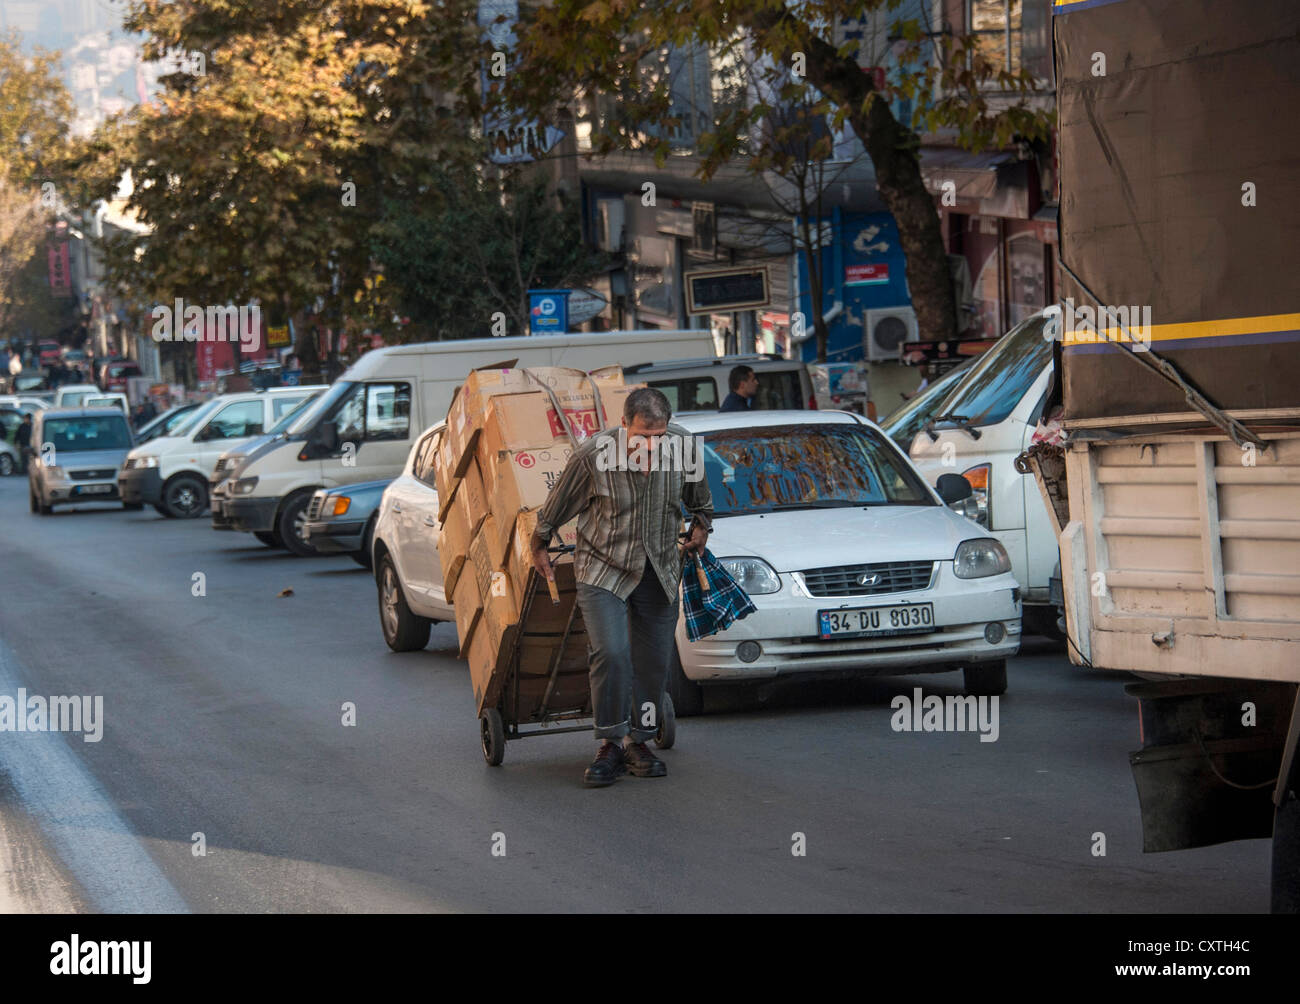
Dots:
(977, 430)
(171, 472)
(363, 429)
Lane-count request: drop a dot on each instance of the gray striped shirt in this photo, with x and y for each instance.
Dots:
(624, 517)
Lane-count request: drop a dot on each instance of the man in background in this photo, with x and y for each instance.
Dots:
(743, 382)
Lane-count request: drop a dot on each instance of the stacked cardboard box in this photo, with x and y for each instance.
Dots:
(503, 451)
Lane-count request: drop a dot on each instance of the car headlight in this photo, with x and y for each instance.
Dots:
(980, 557)
(244, 486)
(341, 505)
(146, 461)
(977, 505)
(754, 575)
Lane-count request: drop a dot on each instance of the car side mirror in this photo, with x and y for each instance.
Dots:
(323, 441)
(953, 488)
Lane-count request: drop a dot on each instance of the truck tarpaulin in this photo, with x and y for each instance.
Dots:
(1176, 206)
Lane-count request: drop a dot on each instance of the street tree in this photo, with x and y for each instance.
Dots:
(571, 52)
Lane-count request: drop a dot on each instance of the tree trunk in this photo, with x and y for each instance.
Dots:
(893, 149)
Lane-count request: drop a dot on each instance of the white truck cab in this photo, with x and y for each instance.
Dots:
(171, 472)
(982, 424)
(364, 427)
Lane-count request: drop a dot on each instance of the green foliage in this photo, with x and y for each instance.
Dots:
(473, 247)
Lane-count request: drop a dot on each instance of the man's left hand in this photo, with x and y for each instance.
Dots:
(699, 537)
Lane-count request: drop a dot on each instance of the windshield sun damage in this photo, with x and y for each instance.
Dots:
(806, 467)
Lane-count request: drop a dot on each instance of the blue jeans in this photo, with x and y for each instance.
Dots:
(629, 644)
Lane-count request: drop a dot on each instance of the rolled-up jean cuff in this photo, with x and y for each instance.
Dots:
(643, 735)
(612, 731)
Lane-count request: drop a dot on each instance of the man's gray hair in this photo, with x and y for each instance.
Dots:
(650, 404)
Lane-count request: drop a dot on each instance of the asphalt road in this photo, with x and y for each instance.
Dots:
(223, 717)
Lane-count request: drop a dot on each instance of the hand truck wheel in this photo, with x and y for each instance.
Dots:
(492, 733)
(667, 734)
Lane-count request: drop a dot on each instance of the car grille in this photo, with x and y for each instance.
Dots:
(225, 464)
(130, 464)
(95, 475)
(890, 577)
(315, 505)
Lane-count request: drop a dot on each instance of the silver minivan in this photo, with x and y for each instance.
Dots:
(702, 384)
(77, 453)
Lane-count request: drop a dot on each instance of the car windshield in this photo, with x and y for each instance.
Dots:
(74, 434)
(905, 422)
(320, 406)
(806, 466)
(996, 383)
(74, 398)
(294, 414)
(199, 414)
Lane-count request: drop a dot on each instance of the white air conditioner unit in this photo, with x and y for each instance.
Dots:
(887, 329)
(609, 224)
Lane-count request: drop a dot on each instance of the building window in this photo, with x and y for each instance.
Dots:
(996, 26)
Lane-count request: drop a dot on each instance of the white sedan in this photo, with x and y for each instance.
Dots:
(855, 565)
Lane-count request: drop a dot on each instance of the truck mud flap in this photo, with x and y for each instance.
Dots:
(1205, 773)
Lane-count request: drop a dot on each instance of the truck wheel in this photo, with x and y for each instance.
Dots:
(986, 679)
(363, 557)
(687, 696)
(268, 538)
(403, 630)
(293, 522)
(184, 496)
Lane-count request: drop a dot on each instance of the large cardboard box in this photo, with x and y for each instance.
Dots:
(471, 495)
(528, 420)
(444, 468)
(522, 479)
(573, 388)
(483, 657)
(500, 603)
(469, 607)
(453, 546)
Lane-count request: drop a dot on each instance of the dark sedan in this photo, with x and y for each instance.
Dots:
(342, 520)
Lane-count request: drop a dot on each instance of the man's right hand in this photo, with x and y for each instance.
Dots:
(542, 562)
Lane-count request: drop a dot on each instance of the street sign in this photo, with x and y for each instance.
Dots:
(548, 311)
(719, 290)
(584, 304)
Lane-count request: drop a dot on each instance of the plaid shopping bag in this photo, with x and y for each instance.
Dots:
(712, 610)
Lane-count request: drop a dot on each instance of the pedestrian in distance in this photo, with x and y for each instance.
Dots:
(743, 383)
(23, 440)
(628, 565)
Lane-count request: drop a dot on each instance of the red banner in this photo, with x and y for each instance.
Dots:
(60, 270)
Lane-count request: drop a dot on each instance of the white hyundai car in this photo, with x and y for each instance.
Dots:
(855, 564)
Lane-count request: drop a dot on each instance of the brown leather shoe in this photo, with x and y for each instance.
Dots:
(642, 763)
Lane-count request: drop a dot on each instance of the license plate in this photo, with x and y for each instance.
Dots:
(866, 622)
(94, 489)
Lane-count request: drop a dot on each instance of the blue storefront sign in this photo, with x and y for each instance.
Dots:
(548, 311)
(864, 269)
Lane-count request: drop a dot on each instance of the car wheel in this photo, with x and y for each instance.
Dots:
(293, 522)
(267, 537)
(363, 557)
(132, 506)
(184, 497)
(986, 679)
(6, 465)
(688, 696)
(403, 630)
